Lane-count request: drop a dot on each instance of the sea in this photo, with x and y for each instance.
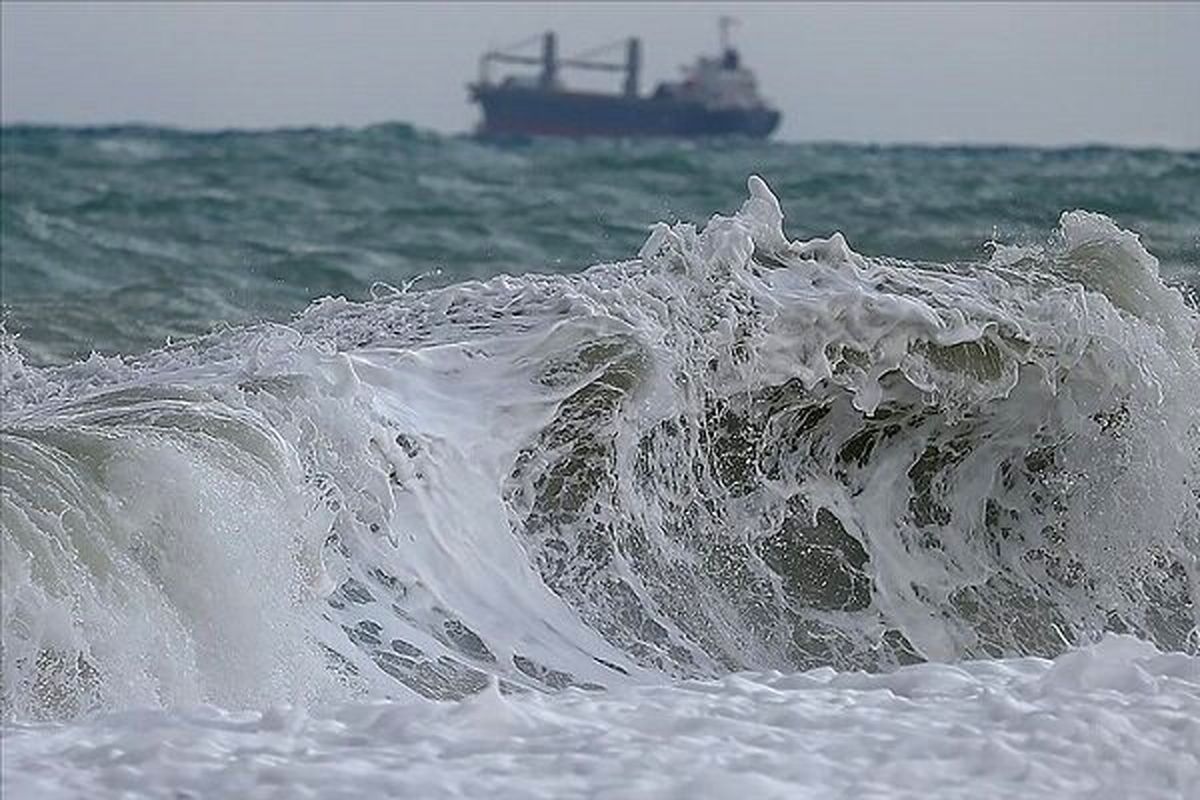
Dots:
(375, 462)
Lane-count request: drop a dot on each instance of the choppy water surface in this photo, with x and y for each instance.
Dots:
(116, 239)
(945, 412)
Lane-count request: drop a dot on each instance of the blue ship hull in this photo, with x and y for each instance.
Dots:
(533, 111)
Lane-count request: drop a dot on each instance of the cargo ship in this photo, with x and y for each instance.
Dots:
(717, 96)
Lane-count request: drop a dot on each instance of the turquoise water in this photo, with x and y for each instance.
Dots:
(119, 239)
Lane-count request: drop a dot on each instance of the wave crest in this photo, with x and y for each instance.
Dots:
(734, 451)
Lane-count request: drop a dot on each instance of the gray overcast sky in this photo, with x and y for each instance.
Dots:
(932, 72)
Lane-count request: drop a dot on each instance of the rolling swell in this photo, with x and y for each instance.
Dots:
(181, 230)
(734, 451)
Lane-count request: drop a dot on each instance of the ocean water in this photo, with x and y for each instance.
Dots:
(338, 461)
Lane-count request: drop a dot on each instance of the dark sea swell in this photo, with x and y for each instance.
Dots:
(115, 239)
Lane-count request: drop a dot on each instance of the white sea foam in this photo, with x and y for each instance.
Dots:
(1115, 720)
(736, 452)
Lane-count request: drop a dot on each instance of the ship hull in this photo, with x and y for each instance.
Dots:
(520, 111)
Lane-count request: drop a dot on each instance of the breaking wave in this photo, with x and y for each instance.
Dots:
(733, 451)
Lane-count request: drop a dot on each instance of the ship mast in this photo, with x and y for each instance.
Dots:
(724, 24)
